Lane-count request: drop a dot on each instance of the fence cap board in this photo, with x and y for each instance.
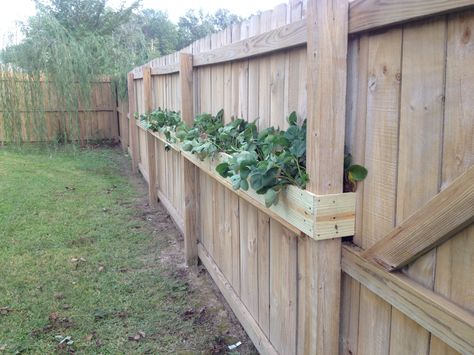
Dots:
(284, 37)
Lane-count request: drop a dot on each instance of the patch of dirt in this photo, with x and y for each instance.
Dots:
(213, 311)
(81, 242)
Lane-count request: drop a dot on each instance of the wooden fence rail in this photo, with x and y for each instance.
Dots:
(391, 81)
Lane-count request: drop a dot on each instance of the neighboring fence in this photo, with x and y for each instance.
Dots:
(48, 119)
(408, 112)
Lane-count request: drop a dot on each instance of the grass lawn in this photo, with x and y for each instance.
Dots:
(79, 259)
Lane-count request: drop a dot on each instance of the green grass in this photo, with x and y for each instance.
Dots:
(57, 206)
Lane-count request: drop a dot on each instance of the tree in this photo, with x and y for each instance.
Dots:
(195, 24)
(224, 18)
(79, 16)
(159, 31)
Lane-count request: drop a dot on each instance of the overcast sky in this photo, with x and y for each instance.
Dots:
(12, 11)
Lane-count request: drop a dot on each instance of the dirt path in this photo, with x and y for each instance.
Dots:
(213, 312)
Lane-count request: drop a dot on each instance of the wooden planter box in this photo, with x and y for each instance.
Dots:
(318, 216)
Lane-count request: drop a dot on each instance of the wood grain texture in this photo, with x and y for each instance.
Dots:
(421, 131)
(263, 259)
(232, 253)
(281, 38)
(249, 257)
(443, 216)
(218, 191)
(150, 140)
(232, 210)
(277, 66)
(441, 317)
(283, 289)
(381, 143)
(251, 326)
(167, 69)
(458, 140)
(371, 14)
(350, 307)
(380, 151)
(374, 323)
(249, 222)
(454, 258)
(356, 113)
(189, 171)
(175, 216)
(133, 126)
(319, 285)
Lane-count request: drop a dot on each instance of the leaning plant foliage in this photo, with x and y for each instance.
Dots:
(266, 161)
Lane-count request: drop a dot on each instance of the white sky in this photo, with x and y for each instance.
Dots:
(12, 11)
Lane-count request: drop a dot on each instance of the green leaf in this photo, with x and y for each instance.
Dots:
(271, 198)
(244, 185)
(220, 115)
(256, 180)
(357, 173)
(292, 118)
(244, 172)
(223, 170)
(298, 148)
(235, 180)
(187, 146)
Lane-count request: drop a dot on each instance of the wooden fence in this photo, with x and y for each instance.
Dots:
(96, 122)
(393, 81)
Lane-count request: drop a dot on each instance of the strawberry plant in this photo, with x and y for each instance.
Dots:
(265, 161)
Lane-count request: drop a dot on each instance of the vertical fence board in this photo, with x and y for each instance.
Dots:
(248, 257)
(319, 262)
(419, 157)
(150, 139)
(283, 289)
(384, 75)
(132, 125)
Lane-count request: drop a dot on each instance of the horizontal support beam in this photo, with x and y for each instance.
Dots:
(371, 14)
(442, 217)
(255, 333)
(165, 70)
(284, 37)
(444, 319)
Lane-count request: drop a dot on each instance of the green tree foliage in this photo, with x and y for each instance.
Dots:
(73, 42)
(159, 31)
(85, 16)
(196, 24)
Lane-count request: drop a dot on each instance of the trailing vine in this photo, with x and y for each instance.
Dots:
(265, 161)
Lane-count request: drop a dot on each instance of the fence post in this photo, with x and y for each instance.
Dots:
(320, 261)
(150, 140)
(190, 173)
(132, 124)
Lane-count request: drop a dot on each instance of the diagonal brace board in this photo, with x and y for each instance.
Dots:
(441, 218)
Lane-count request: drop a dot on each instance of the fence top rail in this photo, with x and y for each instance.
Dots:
(372, 14)
(284, 37)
